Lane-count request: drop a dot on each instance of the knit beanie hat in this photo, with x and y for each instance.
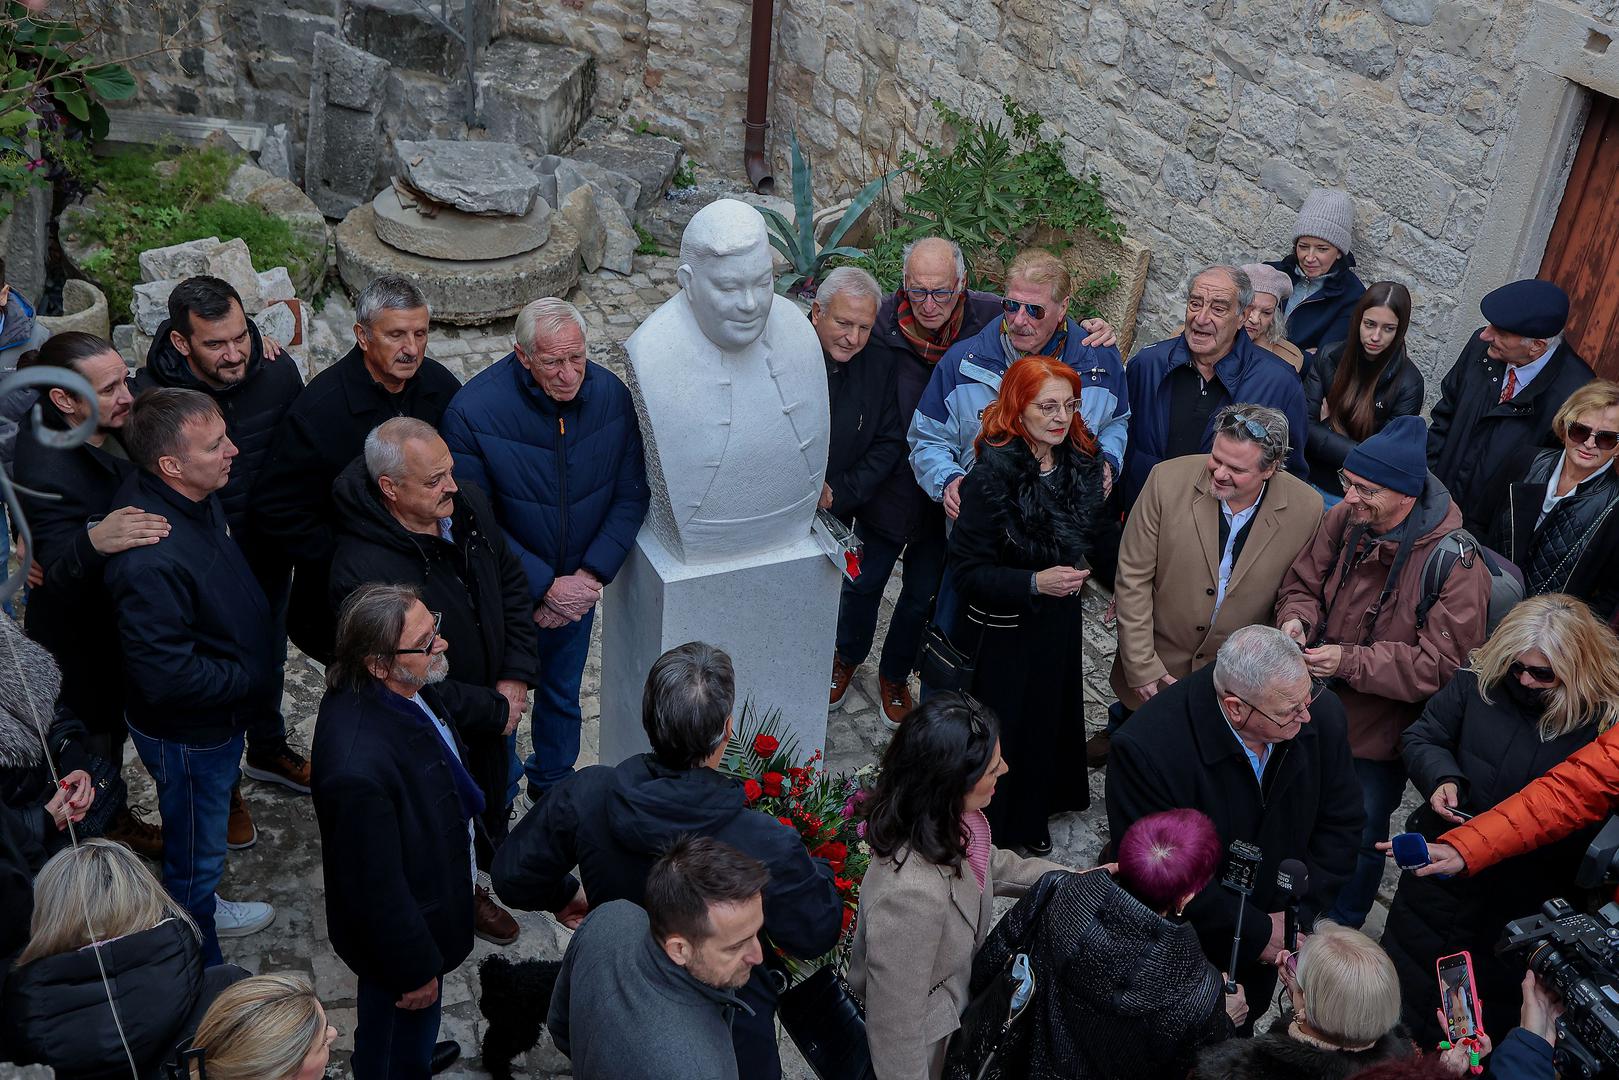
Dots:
(1268, 279)
(1396, 457)
(1328, 214)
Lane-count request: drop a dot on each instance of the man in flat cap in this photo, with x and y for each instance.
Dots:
(1503, 391)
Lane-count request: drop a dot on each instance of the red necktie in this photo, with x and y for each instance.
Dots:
(1510, 387)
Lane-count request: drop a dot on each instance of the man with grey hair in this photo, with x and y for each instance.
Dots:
(388, 373)
(406, 521)
(1253, 743)
(868, 437)
(553, 439)
(1176, 386)
(612, 823)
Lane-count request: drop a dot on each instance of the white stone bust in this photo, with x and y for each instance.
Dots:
(731, 390)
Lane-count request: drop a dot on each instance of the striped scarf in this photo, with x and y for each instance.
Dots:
(1053, 349)
(930, 345)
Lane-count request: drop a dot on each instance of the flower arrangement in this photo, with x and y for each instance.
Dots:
(802, 795)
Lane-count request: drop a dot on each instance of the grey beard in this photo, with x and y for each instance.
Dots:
(437, 670)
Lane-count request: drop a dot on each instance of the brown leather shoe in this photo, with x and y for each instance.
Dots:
(1096, 749)
(897, 703)
(283, 765)
(490, 921)
(241, 833)
(130, 829)
(842, 672)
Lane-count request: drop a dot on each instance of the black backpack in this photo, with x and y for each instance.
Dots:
(1461, 546)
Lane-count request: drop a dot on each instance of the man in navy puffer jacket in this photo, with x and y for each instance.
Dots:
(554, 440)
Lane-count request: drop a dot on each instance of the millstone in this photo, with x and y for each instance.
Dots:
(452, 234)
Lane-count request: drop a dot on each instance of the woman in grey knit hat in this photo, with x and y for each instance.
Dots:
(1321, 268)
(1266, 318)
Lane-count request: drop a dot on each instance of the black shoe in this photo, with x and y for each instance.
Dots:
(1036, 850)
(445, 1054)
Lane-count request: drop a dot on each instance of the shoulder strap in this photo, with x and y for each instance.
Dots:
(1456, 546)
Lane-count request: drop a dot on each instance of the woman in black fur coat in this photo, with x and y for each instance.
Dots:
(1018, 552)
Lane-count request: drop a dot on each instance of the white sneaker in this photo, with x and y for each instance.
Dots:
(240, 918)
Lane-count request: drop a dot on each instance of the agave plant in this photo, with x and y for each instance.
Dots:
(796, 239)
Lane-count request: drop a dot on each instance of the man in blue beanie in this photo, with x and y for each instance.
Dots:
(1351, 602)
(1502, 392)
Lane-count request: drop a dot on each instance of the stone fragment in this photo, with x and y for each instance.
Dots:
(651, 160)
(232, 262)
(409, 34)
(618, 253)
(533, 94)
(477, 177)
(177, 260)
(282, 320)
(579, 211)
(151, 304)
(1356, 39)
(123, 339)
(276, 285)
(572, 174)
(275, 155)
(456, 235)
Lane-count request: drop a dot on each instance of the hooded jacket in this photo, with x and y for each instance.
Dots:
(1399, 393)
(612, 822)
(253, 408)
(1324, 316)
(1390, 669)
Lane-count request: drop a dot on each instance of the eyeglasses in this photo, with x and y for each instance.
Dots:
(1012, 307)
(938, 296)
(1365, 491)
(1316, 688)
(1049, 409)
(1580, 434)
(1239, 422)
(1517, 670)
(432, 639)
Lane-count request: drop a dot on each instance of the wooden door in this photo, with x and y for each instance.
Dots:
(1583, 253)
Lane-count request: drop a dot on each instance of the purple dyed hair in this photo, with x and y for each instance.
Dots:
(1167, 856)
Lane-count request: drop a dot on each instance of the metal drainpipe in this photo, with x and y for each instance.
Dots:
(753, 148)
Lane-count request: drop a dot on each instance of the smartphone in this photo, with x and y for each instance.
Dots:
(1458, 997)
(1463, 814)
(1410, 851)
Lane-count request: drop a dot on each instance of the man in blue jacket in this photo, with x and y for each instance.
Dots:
(1177, 386)
(554, 440)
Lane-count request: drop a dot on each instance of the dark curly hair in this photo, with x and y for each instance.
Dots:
(941, 750)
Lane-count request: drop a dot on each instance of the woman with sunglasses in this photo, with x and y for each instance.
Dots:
(1541, 688)
(1556, 512)
(928, 898)
(1018, 561)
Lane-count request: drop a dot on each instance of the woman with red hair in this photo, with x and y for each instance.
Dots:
(1018, 559)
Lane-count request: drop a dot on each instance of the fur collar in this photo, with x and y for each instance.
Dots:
(29, 684)
(1277, 1056)
(1046, 520)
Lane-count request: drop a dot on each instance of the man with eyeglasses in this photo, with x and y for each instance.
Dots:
(1176, 386)
(1262, 749)
(554, 441)
(1354, 600)
(1503, 391)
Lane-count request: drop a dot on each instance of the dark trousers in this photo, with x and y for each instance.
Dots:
(1381, 784)
(857, 608)
(391, 1043)
(268, 728)
(555, 725)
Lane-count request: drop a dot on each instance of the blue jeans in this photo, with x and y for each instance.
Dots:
(1381, 785)
(391, 1043)
(857, 608)
(193, 798)
(555, 726)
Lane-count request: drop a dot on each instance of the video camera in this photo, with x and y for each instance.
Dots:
(1578, 956)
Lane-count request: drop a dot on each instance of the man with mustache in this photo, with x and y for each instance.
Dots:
(405, 520)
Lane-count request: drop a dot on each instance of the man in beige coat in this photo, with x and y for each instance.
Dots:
(1205, 549)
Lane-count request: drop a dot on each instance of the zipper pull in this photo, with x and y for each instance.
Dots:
(562, 426)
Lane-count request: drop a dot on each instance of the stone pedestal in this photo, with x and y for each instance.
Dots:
(776, 613)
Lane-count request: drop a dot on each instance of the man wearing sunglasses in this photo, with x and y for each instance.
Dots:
(1503, 391)
(1354, 601)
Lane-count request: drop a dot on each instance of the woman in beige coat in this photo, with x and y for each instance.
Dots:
(927, 901)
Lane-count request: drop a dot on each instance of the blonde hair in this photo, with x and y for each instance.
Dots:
(1594, 395)
(1037, 266)
(105, 880)
(1580, 648)
(1351, 990)
(261, 1028)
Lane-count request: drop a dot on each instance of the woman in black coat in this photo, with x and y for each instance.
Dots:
(1018, 553)
(1568, 546)
(1539, 689)
(1356, 386)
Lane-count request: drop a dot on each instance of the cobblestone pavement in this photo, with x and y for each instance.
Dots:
(284, 867)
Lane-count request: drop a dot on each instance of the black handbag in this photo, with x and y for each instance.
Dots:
(111, 796)
(825, 1021)
(984, 1046)
(945, 667)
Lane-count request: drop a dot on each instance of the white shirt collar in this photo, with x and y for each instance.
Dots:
(1527, 372)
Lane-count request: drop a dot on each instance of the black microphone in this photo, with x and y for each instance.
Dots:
(1293, 882)
(1241, 869)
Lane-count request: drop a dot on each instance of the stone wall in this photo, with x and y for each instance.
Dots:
(1208, 121)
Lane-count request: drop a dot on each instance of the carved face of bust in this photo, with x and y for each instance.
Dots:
(730, 295)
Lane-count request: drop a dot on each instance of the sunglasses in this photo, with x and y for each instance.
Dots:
(1239, 422)
(1540, 674)
(432, 639)
(1012, 307)
(1580, 434)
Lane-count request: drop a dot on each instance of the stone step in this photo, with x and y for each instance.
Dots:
(534, 94)
(651, 160)
(409, 33)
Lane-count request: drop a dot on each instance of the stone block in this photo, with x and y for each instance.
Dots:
(25, 240)
(275, 285)
(123, 339)
(620, 239)
(1413, 12)
(456, 235)
(151, 304)
(345, 135)
(656, 602)
(282, 320)
(650, 160)
(275, 155)
(476, 177)
(535, 95)
(232, 262)
(1290, 183)
(292, 33)
(572, 174)
(408, 34)
(178, 260)
(421, 106)
(579, 210)
(1430, 80)
(1356, 39)
(350, 77)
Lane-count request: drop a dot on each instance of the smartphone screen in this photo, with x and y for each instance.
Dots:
(1458, 997)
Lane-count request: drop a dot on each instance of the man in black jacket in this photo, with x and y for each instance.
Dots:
(1502, 393)
(867, 438)
(388, 373)
(197, 645)
(395, 807)
(209, 344)
(405, 521)
(613, 822)
(1245, 742)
